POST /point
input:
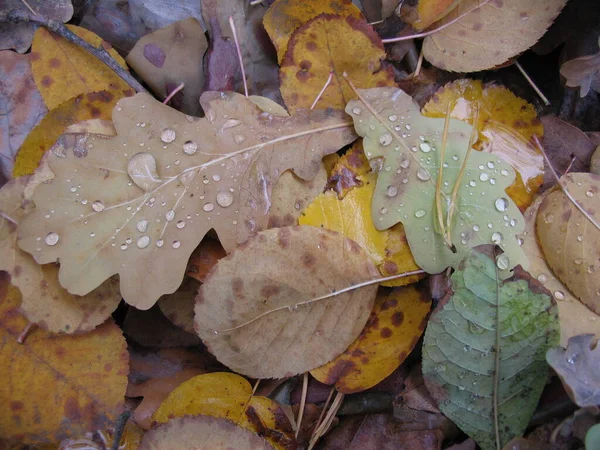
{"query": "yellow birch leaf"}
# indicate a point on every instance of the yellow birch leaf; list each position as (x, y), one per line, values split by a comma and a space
(397, 322)
(506, 127)
(94, 105)
(331, 43)
(284, 16)
(227, 396)
(427, 12)
(398, 258)
(57, 386)
(63, 70)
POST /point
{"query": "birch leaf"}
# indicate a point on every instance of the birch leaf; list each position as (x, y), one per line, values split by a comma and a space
(407, 146)
(484, 350)
(138, 204)
(254, 311)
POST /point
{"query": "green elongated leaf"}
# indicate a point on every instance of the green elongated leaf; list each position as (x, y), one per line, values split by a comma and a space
(408, 147)
(484, 350)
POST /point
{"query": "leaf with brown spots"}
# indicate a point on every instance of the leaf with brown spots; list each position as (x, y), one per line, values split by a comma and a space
(55, 386)
(285, 16)
(141, 210)
(506, 125)
(397, 321)
(178, 307)
(330, 43)
(489, 35)
(202, 433)
(262, 296)
(63, 70)
(97, 105)
(228, 396)
(349, 170)
(427, 12)
(204, 258)
(171, 56)
(569, 239)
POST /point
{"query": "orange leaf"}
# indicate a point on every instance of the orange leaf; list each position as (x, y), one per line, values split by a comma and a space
(427, 12)
(57, 386)
(397, 321)
(332, 43)
(398, 258)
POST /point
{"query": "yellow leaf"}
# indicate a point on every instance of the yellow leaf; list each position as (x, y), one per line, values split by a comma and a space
(427, 12)
(398, 258)
(349, 170)
(63, 70)
(284, 16)
(330, 43)
(506, 127)
(228, 396)
(397, 321)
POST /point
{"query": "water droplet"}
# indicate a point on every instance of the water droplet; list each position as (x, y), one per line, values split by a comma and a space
(128, 240)
(497, 237)
(124, 246)
(393, 118)
(176, 244)
(225, 199)
(513, 222)
(190, 147)
(160, 243)
(572, 358)
(542, 278)
(216, 177)
(208, 207)
(385, 139)
(180, 224)
(589, 194)
(97, 206)
(356, 111)
(407, 127)
(484, 177)
(51, 238)
(472, 183)
(420, 213)
(578, 261)
(92, 235)
(490, 165)
(167, 135)
(405, 163)
(142, 170)
(170, 215)
(559, 295)
(580, 238)
(143, 242)
(504, 172)
(503, 262)
(239, 138)
(392, 191)
(142, 226)
(475, 227)
(423, 174)
(549, 218)
(425, 147)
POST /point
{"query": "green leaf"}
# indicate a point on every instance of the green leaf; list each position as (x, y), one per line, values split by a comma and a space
(484, 350)
(407, 146)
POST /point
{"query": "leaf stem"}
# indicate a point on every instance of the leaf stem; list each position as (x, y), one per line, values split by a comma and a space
(302, 402)
(7, 217)
(323, 90)
(438, 185)
(239, 53)
(173, 92)
(324, 426)
(532, 84)
(25, 332)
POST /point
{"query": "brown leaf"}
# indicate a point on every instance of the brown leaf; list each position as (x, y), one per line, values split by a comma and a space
(582, 72)
(147, 207)
(415, 395)
(242, 312)
(204, 258)
(178, 307)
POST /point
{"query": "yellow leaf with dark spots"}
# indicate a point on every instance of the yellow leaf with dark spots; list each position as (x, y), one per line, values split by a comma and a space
(427, 12)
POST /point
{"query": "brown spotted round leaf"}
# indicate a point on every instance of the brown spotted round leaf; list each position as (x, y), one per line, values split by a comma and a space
(178, 307)
(255, 313)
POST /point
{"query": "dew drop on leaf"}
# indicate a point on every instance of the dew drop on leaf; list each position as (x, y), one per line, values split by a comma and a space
(501, 204)
(208, 207)
(392, 118)
(51, 238)
(503, 262)
(392, 191)
(224, 199)
(176, 244)
(425, 147)
(559, 295)
(143, 242)
(356, 111)
(549, 218)
(385, 139)
(142, 170)
(190, 147)
(423, 174)
(142, 226)
(420, 213)
(98, 206)
(180, 224)
(170, 215)
(497, 237)
(167, 135)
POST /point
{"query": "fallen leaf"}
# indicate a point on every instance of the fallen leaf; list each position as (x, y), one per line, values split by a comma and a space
(583, 72)
(376, 10)
(171, 56)
(202, 433)
(489, 35)
(592, 438)
(178, 307)
(398, 258)
(396, 323)
(575, 317)
(104, 439)
(228, 396)
(578, 367)
(406, 146)
(21, 105)
(285, 16)
(204, 258)
(222, 179)
(506, 125)
(63, 70)
(568, 238)
(414, 394)
(331, 43)
(427, 12)
(267, 306)
(44, 301)
(96, 105)
(484, 350)
(19, 35)
(595, 162)
(349, 171)
(58, 386)
(221, 62)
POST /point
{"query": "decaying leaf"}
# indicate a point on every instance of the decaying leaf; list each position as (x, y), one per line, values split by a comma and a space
(58, 386)
(506, 125)
(204, 258)
(139, 204)
(171, 56)
(397, 321)
(285, 16)
(570, 240)
(407, 147)
(427, 12)
(349, 171)
(331, 43)
(228, 396)
(583, 72)
(261, 296)
(63, 70)
(578, 366)
(202, 433)
(489, 35)
(484, 350)
(178, 307)
(21, 106)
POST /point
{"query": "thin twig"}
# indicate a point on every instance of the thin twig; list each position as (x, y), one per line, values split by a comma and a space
(573, 159)
(28, 6)
(173, 92)
(428, 33)
(18, 16)
(239, 52)
(7, 217)
(323, 90)
(419, 63)
(532, 84)
(438, 185)
(255, 386)
(25, 332)
(324, 426)
(119, 429)
(256, 2)
(302, 402)
(325, 407)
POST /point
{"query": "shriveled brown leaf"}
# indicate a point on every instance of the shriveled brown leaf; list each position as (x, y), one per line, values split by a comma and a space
(140, 210)
(253, 300)
(178, 307)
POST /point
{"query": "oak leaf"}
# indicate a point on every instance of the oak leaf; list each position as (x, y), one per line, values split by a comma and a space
(263, 296)
(139, 204)
(489, 35)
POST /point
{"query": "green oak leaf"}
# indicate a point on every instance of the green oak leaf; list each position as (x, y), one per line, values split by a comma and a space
(484, 352)
(406, 146)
